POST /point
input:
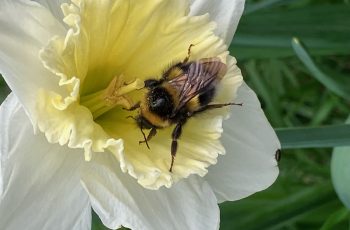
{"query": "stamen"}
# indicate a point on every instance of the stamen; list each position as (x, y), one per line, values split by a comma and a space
(115, 94)
(137, 84)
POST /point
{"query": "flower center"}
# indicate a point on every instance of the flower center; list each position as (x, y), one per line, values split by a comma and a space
(115, 94)
(110, 49)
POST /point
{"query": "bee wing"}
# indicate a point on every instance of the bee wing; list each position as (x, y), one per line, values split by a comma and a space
(201, 76)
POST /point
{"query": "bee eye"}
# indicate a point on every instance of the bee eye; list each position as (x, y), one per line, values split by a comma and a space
(158, 103)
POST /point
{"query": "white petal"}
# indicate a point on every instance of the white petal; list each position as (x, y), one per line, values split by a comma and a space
(40, 186)
(119, 200)
(226, 13)
(249, 164)
(54, 6)
(25, 28)
(87, 64)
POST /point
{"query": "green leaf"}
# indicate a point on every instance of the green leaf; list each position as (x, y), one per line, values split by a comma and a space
(319, 137)
(267, 33)
(276, 213)
(96, 222)
(251, 8)
(339, 87)
(4, 90)
(336, 218)
(98, 225)
(261, 86)
(340, 171)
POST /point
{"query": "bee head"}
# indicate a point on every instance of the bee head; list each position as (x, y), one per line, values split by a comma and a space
(157, 103)
(160, 102)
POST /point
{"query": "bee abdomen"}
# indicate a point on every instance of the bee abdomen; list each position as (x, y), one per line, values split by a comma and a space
(201, 100)
(206, 97)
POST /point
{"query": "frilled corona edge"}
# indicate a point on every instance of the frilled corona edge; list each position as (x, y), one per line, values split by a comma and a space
(109, 48)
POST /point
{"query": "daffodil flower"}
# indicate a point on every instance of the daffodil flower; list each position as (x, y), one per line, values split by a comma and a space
(66, 144)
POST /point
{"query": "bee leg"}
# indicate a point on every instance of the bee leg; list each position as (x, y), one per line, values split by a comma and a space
(144, 137)
(216, 106)
(132, 108)
(188, 54)
(175, 135)
(151, 134)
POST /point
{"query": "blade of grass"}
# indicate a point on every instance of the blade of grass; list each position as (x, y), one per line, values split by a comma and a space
(272, 106)
(278, 213)
(287, 72)
(324, 110)
(267, 33)
(340, 216)
(340, 172)
(319, 137)
(4, 90)
(274, 74)
(251, 8)
(342, 90)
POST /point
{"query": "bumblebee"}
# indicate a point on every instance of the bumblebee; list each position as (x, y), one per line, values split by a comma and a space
(184, 90)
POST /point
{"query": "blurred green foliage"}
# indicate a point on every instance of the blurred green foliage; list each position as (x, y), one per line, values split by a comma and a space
(294, 88)
(4, 90)
(266, 33)
(293, 94)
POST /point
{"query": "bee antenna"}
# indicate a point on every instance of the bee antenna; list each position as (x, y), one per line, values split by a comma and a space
(240, 104)
(188, 53)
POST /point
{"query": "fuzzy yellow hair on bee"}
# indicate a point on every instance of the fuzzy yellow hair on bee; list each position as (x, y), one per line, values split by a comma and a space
(185, 89)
